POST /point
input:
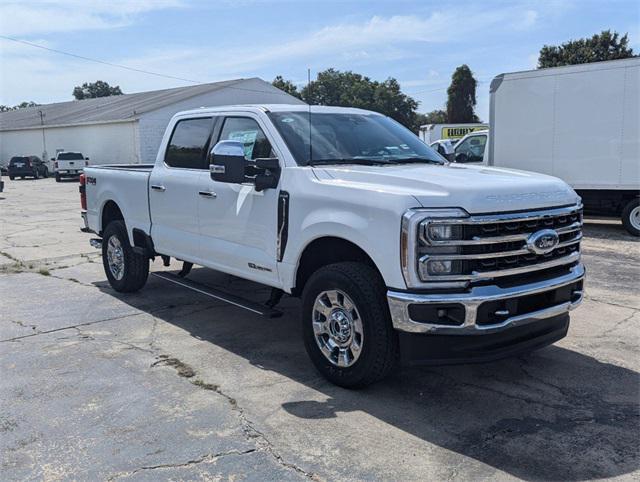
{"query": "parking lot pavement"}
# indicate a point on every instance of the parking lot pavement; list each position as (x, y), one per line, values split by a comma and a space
(165, 384)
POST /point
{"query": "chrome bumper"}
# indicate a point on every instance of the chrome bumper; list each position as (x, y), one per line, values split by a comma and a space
(399, 306)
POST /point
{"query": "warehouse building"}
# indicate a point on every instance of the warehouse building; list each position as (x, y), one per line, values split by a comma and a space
(120, 129)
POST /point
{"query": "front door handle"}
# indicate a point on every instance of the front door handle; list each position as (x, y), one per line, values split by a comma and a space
(210, 194)
(157, 187)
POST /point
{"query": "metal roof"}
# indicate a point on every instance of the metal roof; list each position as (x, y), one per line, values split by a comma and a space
(114, 108)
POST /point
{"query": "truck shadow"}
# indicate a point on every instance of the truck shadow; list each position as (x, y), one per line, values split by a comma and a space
(555, 414)
(606, 228)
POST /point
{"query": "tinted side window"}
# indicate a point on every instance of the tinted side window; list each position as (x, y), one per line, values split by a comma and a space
(188, 144)
(247, 131)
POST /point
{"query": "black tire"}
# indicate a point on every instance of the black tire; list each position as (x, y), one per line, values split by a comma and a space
(366, 289)
(46, 173)
(12, 177)
(36, 175)
(57, 177)
(136, 266)
(628, 212)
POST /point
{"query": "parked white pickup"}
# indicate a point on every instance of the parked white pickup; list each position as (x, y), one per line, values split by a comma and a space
(388, 245)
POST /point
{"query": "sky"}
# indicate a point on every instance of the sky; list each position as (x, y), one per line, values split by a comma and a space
(419, 43)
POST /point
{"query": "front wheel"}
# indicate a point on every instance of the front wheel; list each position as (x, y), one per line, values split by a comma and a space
(631, 217)
(126, 270)
(347, 326)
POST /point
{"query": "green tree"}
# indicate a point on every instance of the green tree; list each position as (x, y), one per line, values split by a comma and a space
(21, 105)
(92, 90)
(349, 89)
(437, 116)
(461, 96)
(603, 46)
(287, 86)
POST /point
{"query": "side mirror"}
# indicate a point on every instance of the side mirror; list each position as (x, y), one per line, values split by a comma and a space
(86, 158)
(461, 157)
(228, 163)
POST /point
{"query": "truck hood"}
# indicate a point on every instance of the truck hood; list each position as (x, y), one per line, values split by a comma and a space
(476, 189)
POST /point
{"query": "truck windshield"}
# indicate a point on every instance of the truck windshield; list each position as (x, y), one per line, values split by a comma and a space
(350, 138)
(70, 156)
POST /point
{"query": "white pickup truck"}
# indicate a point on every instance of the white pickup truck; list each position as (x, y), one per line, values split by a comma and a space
(398, 255)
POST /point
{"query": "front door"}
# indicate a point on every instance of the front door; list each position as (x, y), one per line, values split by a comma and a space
(237, 223)
(174, 190)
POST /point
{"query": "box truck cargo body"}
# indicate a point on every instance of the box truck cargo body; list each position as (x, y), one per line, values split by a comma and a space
(579, 123)
(430, 133)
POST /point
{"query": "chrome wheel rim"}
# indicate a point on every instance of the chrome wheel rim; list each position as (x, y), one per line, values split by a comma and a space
(634, 217)
(337, 328)
(115, 257)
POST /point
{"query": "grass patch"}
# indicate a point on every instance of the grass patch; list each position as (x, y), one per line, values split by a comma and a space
(44, 272)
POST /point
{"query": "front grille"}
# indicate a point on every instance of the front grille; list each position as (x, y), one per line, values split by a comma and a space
(493, 246)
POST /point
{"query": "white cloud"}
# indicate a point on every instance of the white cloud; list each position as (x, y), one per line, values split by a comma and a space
(25, 18)
(45, 76)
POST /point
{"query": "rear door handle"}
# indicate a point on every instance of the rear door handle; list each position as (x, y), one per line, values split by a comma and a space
(210, 194)
(157, 187)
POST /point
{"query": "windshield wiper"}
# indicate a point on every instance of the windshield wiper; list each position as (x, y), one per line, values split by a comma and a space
(411, 160)
(358, 161)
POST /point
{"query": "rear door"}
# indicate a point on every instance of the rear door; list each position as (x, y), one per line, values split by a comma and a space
(238, 224)
(173, 189)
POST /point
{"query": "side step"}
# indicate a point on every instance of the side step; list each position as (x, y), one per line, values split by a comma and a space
(248, 305)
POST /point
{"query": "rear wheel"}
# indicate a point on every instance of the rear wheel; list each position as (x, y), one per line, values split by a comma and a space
(46, 172)
(57, 177)
(346, 325)
(36, 175)
(12, 177)
(126, 270)
(631, 217)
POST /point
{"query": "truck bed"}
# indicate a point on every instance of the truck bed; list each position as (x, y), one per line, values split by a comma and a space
(126, 185)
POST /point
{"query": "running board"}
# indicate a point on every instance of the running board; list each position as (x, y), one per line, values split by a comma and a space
(248, 305)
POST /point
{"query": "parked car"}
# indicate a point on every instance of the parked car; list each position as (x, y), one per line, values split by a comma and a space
(580, 123)
(396, 254)
(1, 182)
(444, 147)
(471, 148)
(27, 166)
(69, 164)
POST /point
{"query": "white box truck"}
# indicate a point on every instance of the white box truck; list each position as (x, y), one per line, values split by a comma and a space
(429, 133)
(579, 123)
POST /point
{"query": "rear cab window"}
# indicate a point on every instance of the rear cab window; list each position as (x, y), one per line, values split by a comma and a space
(70, 156)
(188, 145)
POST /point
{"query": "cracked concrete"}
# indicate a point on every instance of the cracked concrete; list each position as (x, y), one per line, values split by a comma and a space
(90, 384)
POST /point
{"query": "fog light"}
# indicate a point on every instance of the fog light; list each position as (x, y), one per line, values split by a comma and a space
(430, 268)
(439, 267)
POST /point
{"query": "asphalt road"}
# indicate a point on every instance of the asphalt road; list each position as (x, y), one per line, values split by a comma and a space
(166, 384)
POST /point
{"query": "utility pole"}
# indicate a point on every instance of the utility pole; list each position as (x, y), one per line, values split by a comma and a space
(45, 158)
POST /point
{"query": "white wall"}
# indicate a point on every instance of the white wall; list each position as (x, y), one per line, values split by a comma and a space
(254, 91)
(102, 143)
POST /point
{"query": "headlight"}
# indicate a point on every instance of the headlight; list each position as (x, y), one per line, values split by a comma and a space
(440, 232)
(424, 245)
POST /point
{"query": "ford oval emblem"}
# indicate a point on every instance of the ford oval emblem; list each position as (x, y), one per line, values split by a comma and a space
(543, 242)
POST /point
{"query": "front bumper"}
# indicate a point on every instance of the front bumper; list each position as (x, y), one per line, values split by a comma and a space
(512, 303)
